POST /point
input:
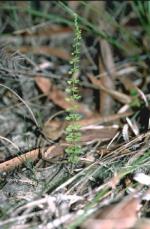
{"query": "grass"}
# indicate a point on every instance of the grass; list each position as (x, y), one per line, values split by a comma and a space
(142, 10)
(84, 24)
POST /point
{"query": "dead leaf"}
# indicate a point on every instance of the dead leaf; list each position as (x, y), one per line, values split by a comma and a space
(45, 50)
(128, 84)
(126, 223)
(125, 99)
(97, 133)
(143, 223)
(54, 152)
(43, 29)
(119, 216)
(53, 129)
(58, 96)
(128, 207)
(97, 119)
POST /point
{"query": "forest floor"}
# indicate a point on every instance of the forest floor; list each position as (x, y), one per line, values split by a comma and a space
(109, 187)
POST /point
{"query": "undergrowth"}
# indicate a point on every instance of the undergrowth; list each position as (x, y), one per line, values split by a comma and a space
(102, 177)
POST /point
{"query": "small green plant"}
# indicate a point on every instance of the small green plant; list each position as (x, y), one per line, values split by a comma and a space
(73, 130)
(135, 102)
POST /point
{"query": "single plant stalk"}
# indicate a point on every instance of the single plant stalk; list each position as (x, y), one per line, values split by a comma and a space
(73, 130)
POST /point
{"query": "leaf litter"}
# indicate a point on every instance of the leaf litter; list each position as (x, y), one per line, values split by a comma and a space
(109, 187)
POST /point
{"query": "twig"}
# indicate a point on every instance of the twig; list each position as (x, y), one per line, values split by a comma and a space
(19, 160)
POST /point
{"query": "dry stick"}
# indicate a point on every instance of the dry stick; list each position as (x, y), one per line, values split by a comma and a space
(18, 104)
(19, 160)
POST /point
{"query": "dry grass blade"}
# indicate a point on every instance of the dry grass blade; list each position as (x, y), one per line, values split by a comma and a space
(13, 144)
(27, 106)
(125, 99)
(48, 51)
(106, 119)
(106, 101)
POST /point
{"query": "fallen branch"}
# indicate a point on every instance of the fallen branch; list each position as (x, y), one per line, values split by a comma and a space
(19, 160)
